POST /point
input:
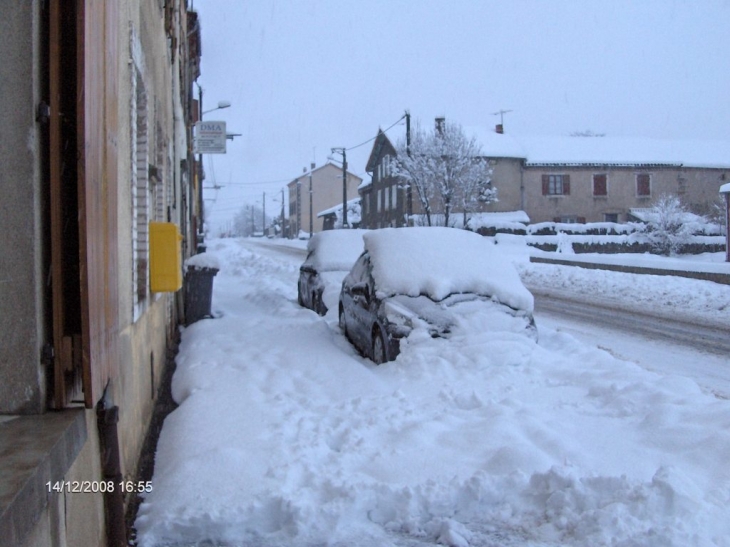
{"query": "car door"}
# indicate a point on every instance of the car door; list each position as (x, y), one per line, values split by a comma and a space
(353, 299)
(364, 306)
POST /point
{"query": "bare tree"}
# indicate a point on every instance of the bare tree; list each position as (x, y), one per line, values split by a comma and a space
(447, 169)
(249, 220)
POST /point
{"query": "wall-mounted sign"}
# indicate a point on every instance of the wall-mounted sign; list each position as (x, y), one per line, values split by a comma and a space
(210, 138)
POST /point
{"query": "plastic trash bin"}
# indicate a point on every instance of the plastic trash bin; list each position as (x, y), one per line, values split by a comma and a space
(198, 293)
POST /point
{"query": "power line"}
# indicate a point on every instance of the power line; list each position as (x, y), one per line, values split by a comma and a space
(375, 137)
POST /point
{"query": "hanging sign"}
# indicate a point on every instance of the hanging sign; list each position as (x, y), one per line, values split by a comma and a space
(210, 138)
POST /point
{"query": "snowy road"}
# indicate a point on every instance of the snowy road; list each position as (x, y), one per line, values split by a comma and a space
(286, 436)
(693, 351)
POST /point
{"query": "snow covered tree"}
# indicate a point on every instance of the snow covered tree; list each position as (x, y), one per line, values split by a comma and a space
(448, 171)
(668, 227)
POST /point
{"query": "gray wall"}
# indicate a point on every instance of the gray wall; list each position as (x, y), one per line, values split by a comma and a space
(21, 276)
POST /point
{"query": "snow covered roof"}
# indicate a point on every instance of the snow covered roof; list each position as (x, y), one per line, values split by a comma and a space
(618, 151)
(725, 188)
(626, 151)
(338, 207)
(334, 250)
(437, 262)
(648, 214)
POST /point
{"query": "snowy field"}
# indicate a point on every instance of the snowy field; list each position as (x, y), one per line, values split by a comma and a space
(285, 436)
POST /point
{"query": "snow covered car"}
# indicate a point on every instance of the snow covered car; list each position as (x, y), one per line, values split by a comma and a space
(432, 278)
(330, 256)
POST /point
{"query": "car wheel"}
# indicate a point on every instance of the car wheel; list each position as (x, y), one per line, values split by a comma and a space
(379, 356)
(317, 303)
(343, 325)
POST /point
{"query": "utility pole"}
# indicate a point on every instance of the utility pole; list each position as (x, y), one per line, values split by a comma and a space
(409, 190)
(282, 212)
(201, 177)
(342, 150)
(311, 214)
(263, 217)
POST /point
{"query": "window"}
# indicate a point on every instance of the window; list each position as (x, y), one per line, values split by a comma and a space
(556, 185)
(394, 197)
(600, 185)
(140, 193)
(610, 217)
(643, 185)
(378, 200)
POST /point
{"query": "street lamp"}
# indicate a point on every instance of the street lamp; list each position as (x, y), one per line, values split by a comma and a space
(221, 105)
(201, 228)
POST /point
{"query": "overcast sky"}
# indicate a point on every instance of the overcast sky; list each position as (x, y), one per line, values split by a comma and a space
(308, 75)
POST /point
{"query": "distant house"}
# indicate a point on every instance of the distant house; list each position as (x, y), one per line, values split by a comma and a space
(384, 204)
(326, 185)
(565, 179)
(332, 217)
(387, 202)
(595, 179)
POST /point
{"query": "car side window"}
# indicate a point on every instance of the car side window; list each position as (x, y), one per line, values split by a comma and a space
(359, 271)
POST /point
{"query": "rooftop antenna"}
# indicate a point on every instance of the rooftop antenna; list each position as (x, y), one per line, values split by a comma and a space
(500, 113)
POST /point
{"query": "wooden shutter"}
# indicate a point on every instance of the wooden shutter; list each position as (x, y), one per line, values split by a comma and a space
(566, 185)
(98, 130)
(600, 187)
(545, 185)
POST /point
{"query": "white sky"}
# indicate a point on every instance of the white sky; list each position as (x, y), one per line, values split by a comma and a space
(306, 76)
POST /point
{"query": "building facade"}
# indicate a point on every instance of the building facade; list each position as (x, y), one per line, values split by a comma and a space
(326, 192)
(99, 96)
(565, 179)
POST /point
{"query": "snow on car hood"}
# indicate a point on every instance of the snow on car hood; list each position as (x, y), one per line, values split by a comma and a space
(463, 311)
(437, 262)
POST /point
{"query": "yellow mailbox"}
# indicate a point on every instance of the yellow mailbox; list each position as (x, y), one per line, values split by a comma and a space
(165, 259)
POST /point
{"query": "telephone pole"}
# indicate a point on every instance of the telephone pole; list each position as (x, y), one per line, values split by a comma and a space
(311, 213)
(409, 189)
(342, 150)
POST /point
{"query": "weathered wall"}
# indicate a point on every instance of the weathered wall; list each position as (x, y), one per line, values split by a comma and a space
(21, 277)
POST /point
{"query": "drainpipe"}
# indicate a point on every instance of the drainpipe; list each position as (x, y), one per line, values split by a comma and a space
(522, 186)
(116, 528)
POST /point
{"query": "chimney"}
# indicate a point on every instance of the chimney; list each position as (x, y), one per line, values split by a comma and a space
(499, 129)
(440, 125)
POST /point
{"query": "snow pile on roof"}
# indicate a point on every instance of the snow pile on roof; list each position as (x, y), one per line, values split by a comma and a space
(626, 151)
(203, 260)
(725, 188)
(509, 220)
(334, 250)
(437, 262)
(559, 150)
(649, 214)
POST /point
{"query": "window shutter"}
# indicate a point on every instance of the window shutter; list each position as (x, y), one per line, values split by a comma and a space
(566, 185)
(556, 219)
(581, 220)
(545, 185)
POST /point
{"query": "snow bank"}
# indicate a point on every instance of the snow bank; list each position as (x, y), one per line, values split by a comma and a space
(484, 439)
(438, 262)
